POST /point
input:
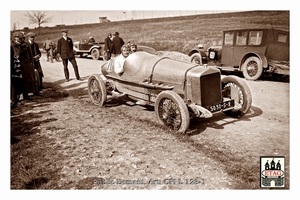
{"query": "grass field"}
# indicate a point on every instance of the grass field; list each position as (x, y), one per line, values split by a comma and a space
(173, 33)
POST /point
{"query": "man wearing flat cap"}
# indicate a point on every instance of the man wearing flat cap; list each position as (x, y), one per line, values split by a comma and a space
(65, 50)
(36, 53)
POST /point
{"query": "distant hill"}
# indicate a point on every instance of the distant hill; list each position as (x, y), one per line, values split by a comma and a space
(180, 33)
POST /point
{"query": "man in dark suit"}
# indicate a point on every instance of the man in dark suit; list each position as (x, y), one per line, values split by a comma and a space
(118, 42)
(36, 53)
(65, 50)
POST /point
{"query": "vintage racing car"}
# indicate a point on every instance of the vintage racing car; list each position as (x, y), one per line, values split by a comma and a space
(178, 90)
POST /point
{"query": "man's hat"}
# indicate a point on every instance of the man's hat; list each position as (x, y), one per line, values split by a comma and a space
(30, 34)
(64, 30)
(116, 33)
(18, 34)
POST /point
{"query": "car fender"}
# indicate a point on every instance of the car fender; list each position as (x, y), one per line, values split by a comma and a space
(200, 51)
(261, 56)
(94, 46)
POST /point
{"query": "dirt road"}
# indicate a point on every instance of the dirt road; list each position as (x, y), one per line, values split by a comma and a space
(121, 146)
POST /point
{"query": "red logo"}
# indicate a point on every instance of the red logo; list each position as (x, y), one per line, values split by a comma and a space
(272, 173)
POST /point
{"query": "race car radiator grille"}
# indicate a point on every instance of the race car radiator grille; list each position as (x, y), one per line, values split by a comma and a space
(210, 88)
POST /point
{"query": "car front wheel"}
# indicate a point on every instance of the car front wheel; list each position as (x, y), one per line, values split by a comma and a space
(97, 90)
(235, 88)
(171, 111)
(252, 68)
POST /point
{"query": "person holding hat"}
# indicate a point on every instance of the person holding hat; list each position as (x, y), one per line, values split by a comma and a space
(118, 42)
(65, 50)
(36, 53)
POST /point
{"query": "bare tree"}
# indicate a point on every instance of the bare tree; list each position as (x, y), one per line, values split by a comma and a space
(38, 17)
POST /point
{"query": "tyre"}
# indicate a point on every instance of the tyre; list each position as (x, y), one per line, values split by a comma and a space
(196, 58)
(37, 80)
(97, 90)
(252, 68)
(171, 111)
(238, 90)
(95, 54)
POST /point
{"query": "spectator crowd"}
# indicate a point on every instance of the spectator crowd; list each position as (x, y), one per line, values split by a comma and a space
(26, 70)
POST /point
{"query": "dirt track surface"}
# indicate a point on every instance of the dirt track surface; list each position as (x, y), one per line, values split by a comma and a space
(83, 146)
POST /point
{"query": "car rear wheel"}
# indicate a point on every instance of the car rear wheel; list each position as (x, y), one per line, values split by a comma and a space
(171, 111)
(97, 90)
(95, 54)
(196, 58)
(252, 68)
(235, 88)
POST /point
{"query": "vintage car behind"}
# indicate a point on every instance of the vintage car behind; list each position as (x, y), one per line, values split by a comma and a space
(178, 90)
(96, 49)
(252, 51)
(84, 48)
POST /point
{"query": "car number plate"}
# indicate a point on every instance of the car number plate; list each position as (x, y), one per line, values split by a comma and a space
(221, 106)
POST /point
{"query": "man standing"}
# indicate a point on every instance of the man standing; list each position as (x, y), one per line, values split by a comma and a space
(65, 50)
(36, 53)
(27, 68)
(117, 44)
(48, 47)
(108, 47)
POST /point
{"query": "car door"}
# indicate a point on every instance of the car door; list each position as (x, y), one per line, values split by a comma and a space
(227, 48)
(239, 47)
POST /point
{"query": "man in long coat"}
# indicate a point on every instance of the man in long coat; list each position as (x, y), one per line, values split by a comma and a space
(65, 50)
(118, 42)
(36, 53)
(108, 46)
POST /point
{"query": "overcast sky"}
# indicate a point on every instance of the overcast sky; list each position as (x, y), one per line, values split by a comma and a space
(72, 17)
(82, 12)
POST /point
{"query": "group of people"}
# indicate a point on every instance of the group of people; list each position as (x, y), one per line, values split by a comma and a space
(24, 61)
(114, 43)
(25, 55)
(116, 48)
